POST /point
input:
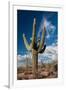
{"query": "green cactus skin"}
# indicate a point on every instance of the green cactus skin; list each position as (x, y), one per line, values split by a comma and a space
(35, 48)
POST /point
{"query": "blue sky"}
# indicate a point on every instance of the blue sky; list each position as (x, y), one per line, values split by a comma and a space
(25, 22)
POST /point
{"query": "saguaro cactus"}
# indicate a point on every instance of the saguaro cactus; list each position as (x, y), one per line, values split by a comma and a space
(36, 46)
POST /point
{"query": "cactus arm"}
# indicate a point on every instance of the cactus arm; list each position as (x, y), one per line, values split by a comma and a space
(26, 43)
(31, 46)
(43, 49)
(34, 33)
(43, 36)
(42, 40)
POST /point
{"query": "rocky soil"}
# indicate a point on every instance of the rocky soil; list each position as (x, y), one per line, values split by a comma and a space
(44, 71)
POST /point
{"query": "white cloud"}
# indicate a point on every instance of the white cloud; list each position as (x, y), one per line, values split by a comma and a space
(19, 57)
(50, 54)
(50, 28)
(23, 57)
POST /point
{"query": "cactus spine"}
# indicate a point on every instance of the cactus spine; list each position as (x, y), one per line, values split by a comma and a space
(35, 47)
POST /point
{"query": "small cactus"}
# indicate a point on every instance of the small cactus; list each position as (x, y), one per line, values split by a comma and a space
(36, 47)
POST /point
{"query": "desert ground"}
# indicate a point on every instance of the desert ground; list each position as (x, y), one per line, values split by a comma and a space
(47, 70)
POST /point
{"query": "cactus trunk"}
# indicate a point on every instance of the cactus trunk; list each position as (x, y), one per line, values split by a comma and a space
(35, 63)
